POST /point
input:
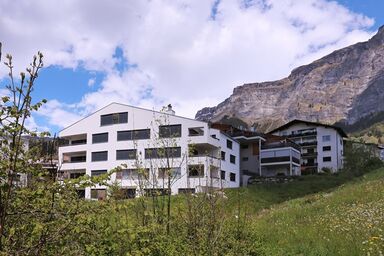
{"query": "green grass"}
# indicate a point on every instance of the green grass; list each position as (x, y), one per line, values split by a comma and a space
(347, 220)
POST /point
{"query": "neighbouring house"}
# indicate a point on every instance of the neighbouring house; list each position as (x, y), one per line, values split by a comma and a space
(264, 154)
(156, 148)
(321, 144)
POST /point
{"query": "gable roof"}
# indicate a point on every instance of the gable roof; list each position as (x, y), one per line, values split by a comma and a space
(298, 121)
(126, 105)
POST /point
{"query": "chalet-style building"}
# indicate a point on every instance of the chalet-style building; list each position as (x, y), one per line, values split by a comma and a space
(321, 144)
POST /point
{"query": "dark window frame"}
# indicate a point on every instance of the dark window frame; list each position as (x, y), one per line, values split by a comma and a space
(95, 173)
(223, 155)
(141, 134)
(131, 154)
(232, 159)
(327, 159)
(327, 148)
(232, 176)
(114, 118)
(229, 144)
(170, 131)
(96, 137)
(167, 152)
(93, 155)
(195, 170)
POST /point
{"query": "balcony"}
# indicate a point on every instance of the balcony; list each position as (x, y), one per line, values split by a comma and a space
(70, 174)
(278, 159)
(308, 143)
(309, 154)
(310, 132)
(73, 140)
(74, 157)
(280, 145)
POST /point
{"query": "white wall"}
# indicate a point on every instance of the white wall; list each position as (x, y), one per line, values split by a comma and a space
(336, 144)
(146, 119)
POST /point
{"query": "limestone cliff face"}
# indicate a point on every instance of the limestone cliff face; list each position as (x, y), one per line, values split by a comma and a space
(345, 85)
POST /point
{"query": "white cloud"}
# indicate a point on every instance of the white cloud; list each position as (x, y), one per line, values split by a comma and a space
(183, 56)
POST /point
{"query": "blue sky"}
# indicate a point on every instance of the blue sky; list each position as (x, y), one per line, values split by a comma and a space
(188, 53)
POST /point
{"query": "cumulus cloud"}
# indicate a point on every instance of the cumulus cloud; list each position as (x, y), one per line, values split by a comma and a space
(185, 52)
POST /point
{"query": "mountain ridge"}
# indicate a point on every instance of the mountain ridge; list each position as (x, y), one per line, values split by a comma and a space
(341, 87)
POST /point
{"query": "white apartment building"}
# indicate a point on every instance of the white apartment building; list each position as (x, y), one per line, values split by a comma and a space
(156, 147)
(321, 144)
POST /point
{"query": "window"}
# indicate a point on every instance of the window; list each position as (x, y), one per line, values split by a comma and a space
(222, 175)
(80, 193)
(213, 136)
(170, 131)
(196, 170)
(327, 159)
(170, 152)
(244, 146)
(232, 176)
(157, 191)
(98, 172)
(134, 135)
(79, 142)
(126, 154)
(78, 159)
(196, 131)
(229, 144)
(187, 190)
(326, 138)
(99, 156)
(223, 155)
(75, 175)
(115, 118)
(99, 194)
(99, 137)
(245, 159)
(327, 148)
(127, 193)
(232, 159)
(133, 174)
(164, 172)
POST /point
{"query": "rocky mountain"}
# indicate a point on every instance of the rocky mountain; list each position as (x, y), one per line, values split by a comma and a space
(343, 87)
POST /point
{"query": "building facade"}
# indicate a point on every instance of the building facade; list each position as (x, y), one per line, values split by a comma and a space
(264, 155)
(321, 144)
(157, 151)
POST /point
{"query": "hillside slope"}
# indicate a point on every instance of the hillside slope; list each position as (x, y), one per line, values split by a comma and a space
(346, 221)
(344, 86)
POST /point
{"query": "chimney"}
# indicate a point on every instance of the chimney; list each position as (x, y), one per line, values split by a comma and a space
(169, 110)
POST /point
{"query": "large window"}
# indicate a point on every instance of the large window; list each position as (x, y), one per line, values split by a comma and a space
(134, 135)
(196, 171)
(170, 152)
(229, 144)
(115, 118)
(100, 137)
(126, 154)
(133, 174)
(222, 175)
(170, 131)
(164, 173)
(326, 138)
(327, 159)
(232, 176)
(196, 131)
(327, 148)
(98, 172)
(232, 159)
(99, 156)
(223, 155)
